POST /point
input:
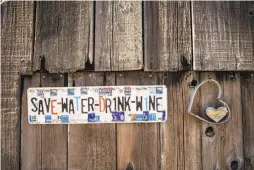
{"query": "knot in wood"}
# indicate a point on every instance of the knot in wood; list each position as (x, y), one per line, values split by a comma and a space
(129, 166)
(186, 63)
(193, 83)
(234, 165)
(247, 161)
(251, 11)
(209, 131)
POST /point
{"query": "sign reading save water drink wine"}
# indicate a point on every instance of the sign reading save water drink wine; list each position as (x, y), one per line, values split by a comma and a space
(97, 104)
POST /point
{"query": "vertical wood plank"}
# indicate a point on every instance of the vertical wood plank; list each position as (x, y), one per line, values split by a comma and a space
(53, 137)
(118, 36)
(92, 146)
(138, 144)
(30, 134)
(167, 36)
(42, 146)
(16, 52)
(103, 35)
(192, 126)
(247, 85)
(224, 150)
(181, 134)
(223, 35)
(64, 32)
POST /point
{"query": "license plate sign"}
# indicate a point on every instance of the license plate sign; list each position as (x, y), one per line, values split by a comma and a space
(97, 104)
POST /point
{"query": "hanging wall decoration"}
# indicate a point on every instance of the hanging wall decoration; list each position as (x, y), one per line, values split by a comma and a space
(97, 104)
(216, 115)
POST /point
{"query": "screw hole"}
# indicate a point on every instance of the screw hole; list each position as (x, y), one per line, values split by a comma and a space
(209, 131)
(193, 83)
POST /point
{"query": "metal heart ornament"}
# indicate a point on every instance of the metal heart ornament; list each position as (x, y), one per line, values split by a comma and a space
(215, 114)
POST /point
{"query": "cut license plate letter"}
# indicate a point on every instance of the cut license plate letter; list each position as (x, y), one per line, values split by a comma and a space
(97, 104)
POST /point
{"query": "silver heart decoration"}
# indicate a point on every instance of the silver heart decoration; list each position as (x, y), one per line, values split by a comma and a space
(215, 114)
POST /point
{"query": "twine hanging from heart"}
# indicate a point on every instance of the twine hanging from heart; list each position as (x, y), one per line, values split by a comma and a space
(214, 114)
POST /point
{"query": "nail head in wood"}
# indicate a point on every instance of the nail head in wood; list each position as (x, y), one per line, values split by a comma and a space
(232, 76)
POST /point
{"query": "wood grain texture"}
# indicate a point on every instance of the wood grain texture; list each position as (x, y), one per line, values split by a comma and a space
(138, 144)
(167, 36)
(16, 52)
(63, 34)
(92, 146)
(42, 146)
(247, 85)
(223, 35)
(30, 154)
(53, 137)
(224, 150)
(181, 134)
(118, 36)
